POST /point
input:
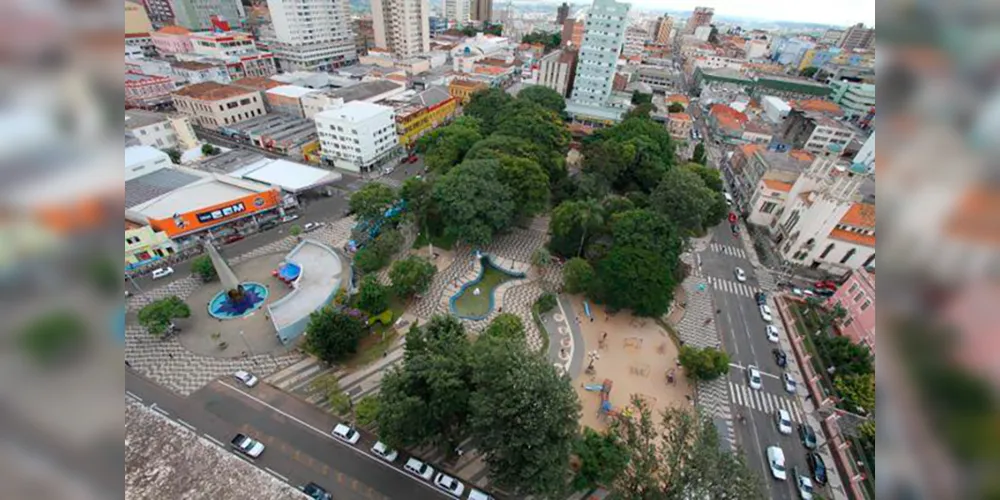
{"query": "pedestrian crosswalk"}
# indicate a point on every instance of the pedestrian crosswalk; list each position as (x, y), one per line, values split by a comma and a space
(764, 402)
(731, 286)
(728, 250)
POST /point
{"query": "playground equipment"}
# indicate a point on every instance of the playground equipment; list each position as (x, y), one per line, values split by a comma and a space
(586, 309)
(366, 230)
(287, 272)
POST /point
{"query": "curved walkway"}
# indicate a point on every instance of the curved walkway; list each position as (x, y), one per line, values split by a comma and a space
(323, 273)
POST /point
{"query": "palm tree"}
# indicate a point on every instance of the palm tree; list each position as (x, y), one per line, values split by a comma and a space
(589, 216)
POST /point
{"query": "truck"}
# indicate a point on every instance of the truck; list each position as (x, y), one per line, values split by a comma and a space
(247, 445)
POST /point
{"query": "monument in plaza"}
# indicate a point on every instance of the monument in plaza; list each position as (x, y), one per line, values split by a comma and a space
(236, 299)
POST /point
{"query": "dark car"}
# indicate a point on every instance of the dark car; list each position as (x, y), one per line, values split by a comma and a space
(233, 238)
(761, 298)
(316, 492)
(817, 466)
(264, 226)
(780, 358)
(808, 436)
(824, 292)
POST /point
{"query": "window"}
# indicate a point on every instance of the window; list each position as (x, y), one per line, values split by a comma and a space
(858, 297)
(244, 102)
(848, 322)
(853, 288)
(829, 248)
(847, 256)
(866, 305)
(869, 261)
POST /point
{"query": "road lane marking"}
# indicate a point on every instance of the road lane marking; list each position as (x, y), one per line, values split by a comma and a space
(212, 439)
(133, 396)
(159, 410)
(279, 476)
(185, 424)
(329, 437)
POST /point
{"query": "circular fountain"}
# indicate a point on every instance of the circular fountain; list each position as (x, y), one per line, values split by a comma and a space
(238, 302)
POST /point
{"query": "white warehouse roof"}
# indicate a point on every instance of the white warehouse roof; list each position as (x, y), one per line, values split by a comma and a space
(354, 111)
(289, 176)
(293, 91)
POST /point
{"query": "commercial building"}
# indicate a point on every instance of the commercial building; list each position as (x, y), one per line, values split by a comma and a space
(664, 26)
(816, 132)
(197, 15)
(557, 70)
(789, 52)
(214, 105)
(172, 40)
(159, 130)
(701, 16)
(659, 79)
(755, 49)
(425, 112)
(857, 37)
(287, 99)
(857, 99)
(147, 91)
(857, 296)
(357, 136)
(145, 246)
(602, 40)
(223, 45)
(751, 162)
(281, 133)
(403, 27)
(191, 72)
(831, 36)
(140, 43)
(463, 89)
(294, 179)
(311, 35)
(562, 13)
(370, 91)
(788, 87)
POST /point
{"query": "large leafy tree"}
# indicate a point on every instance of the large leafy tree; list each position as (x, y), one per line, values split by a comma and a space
(333, 334)
(426, 400)
(578, 276)
(450, 144)
(601, 459)
(204, 268)
(698, 156)
(572, 223)
(710, 176)
(683, 197)
(641, 153)
(544, 96)
(647, 230)
(488, 106)
(857, 391)
(636, 279)
(157, 315)
(506, 326)
(847, 357)
(678, 457)
(474, 203)
(371, 201)
(411, 275)
(373, 297)
(524, 416)
(497, 146)
(703, 364)
(530, 121)
(527, 182)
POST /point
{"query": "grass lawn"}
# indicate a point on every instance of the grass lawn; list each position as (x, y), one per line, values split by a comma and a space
(371, 348)
(541, 328)
(442, 242)
(471, 305)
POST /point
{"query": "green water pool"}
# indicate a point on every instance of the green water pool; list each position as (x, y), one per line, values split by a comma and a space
(466, 304)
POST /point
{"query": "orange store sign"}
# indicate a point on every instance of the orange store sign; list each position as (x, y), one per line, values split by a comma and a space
(210, 216)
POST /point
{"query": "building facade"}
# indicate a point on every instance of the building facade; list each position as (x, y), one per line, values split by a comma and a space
(463, 89)
(172, 40)
(557, 70)
(196, 15)
(288, 99)
(679, 125)
(160, 11)
(311, 35)
(403, 26)
(635, 41)
(147, 91)
(136, 19)
(603, 36)
(572, 33)
(145, 246)
(214, 105)
(457, 11)
(425, 112)
(562, 13)
(701, 16)
(664, 26)
(857, 296)
(191, 72)
(358, 136)
(482, 11)
(857, 99)
(816, 132)
(857, 37)
(223, 45)
(159, 130)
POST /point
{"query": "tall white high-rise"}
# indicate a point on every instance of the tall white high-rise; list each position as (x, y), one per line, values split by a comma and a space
(603, 35)
(457, 10)
(402, 26)
(311, 35)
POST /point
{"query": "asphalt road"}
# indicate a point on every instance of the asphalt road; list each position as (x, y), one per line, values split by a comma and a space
(297, 437)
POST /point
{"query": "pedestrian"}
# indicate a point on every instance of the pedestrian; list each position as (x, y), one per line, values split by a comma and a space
(499, 309)
(604, 337)
(591, 319)
(171, 355)
(128, 364)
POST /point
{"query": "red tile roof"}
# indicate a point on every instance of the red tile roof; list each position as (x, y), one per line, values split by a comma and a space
(211, 91)
(860, 215)
(850, 237)
(776, 185)
(174, 30)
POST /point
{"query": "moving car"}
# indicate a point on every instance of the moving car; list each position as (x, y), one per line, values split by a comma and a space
(264, 226)
(789, 381)
(803, 484)
(776, 460)
(780, 358)
(247, 445)
(753, 378)
(419, 469)
(740, 275)
(247, 378)
(384, 452)
(783, 420)
(808, 436)
(817, 466)
(316, 492)
(311, 226)
(761, 298)
(346, 434)
(449, 485)
(162, 272)
(772, 333)
(765, 313)
(289, 218)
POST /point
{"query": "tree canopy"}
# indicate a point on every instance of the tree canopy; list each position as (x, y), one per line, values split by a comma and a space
(578, 276)
(488, 106)
(601, 457)
(572, 223)
(698, 155)
(549, 40)
(372, 200)
(636, 279)
(530, 121)
(506, 326)
(675, 107)
(474, 203)
(703, 364)
(543, 96)
(373, 297)
(450, 144)
(157, 316)
(632, 156)
(683, 197)
(411, 275)
(203, 267)
(333, 334)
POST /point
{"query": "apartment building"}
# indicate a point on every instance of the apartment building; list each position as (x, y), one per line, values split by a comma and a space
(701, 16)
(482, 11)
(422, 114)
(635, 41)
(197, 15)
(664, 26)
(857, 37)
(680, 125)
(358, 136)
(311, 35)
(604, 33)
(160, 130)
(214, 105)
(457, 11)
(857, 296)
(557, 70)
(816, 132)
(172, 40)
(562, 13)
(857, 99)
(572, 33)
(403, 26)
(136, 19)
(147, 91)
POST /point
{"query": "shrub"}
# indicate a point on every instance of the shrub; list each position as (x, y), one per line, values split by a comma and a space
(704, 364)
(366, 411)
(546, 302)
(203, 267)
(373, 298)
(578, 276)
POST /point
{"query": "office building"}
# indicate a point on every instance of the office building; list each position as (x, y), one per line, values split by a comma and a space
(562, 13)
(702, 16)
(831, 37)
(457, 11)
(603, 36)
(857, 99)
(357, 136)
(857, 37)
(482, 11)
(557, 70)
(664, 26)
(402, 26)
(311, 35)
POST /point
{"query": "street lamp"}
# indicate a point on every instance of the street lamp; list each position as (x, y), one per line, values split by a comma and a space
(594, 356)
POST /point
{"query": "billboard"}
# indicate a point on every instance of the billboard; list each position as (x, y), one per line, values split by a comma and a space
(197, 220)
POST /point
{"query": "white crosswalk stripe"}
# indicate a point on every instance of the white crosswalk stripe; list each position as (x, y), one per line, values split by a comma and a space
(732, 286)
(728, 250)
(764, 402)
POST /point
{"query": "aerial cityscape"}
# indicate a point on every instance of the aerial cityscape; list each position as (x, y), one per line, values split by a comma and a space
(500, 249)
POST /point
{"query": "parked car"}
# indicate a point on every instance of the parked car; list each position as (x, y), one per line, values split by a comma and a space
(271, 224)
(817, 466)
(803, 484)
(740, 275)
(728, 197)
(765, 313)
(419, 469)
(384, 452)
(827, 284)
(776, 460)
(753, 378)
(412, 159)
(475, 494)
(783, 420)
(772, 334)
(289, 218)
(247, 378)
(780, 358)
(316, 492)
(761, 298)
(825, 292)
(807, 435)
(449, 485)
(232, 238)
(311, 226)
(247, 445)
(162, 272)
(789, 381)
(346, 434)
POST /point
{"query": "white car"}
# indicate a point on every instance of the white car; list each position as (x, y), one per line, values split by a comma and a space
(162, 272)
(772, 333)
(776, 460)
(246, 377)
(419, 469)
(790, 384)
(346, 434)
(740, 275)
(450, 485)
(753, 378)
(783, 420)
(804, 484)
(765, 313)
(384, 452)
(289, 218)
(311, 226)
(475, 494)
